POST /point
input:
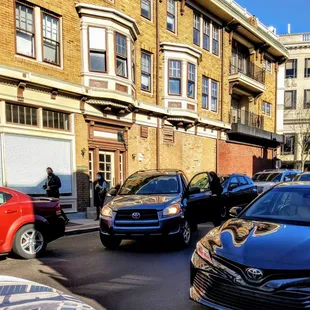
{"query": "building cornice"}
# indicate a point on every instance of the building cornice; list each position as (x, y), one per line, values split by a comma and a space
(180, 48)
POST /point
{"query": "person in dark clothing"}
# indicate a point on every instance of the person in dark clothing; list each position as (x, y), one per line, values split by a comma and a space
(52, 186)
(100, 189)
(216, 199)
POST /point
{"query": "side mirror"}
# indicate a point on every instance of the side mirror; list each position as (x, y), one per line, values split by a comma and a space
(113, 192)
(193, 190)
(233, 186)
(235, 211)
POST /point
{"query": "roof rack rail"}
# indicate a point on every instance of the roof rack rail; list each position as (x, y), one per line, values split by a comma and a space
(160, 170)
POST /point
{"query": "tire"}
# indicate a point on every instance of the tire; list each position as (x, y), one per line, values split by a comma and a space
(29, 242)
(110, 243)
(185, 236)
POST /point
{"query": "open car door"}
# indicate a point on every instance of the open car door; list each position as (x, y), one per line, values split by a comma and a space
(197, 195)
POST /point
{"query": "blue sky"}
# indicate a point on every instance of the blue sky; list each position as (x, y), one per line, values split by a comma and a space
(279, 13)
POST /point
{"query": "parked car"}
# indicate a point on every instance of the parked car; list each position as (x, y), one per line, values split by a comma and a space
(238, 190)
(260, 259)
(267, 178)
(161, 203)
(28, 224)
(20, 294)
(302, 177)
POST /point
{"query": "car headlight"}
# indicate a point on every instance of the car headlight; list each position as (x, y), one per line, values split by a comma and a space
(204, 253)
(106, 211)
(173, 209)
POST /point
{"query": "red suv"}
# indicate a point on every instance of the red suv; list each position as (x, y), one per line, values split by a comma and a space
(28, 224)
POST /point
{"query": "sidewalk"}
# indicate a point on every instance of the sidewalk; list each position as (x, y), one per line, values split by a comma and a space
(79, 226)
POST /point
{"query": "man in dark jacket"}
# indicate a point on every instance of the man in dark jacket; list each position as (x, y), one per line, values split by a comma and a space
(52, 186)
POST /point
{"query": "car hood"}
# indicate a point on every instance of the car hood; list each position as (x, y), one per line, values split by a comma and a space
(261, 244)
(264, 184)
(137, 202)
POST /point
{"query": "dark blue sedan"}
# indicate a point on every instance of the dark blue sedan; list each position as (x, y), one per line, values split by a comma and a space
(260, 259)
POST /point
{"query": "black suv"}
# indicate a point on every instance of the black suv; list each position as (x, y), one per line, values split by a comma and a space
(160, 203)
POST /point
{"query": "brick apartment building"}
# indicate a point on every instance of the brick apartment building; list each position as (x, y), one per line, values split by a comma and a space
(121, 85)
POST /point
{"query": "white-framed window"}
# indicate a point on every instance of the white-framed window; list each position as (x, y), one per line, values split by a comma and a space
(121, 55)
(290, 99)
(51, 39)
(205, 92)
(146, 9)
(175, 77)
(196, 30)
(25, 30)
(266, 108)
(171, 15)
(215, 41)
(97, 49)
(206, 35)
(214, 95)
(146, 71)
(191, 80)
(267, 64)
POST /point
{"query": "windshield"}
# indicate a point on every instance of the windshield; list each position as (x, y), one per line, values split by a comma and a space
(267, 177)
(285, 205)
(150, 185)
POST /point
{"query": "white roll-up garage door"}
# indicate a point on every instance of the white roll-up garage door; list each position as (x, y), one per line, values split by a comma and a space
(27, 157)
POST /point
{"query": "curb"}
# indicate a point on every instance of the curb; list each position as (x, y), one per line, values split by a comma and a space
(79, 231)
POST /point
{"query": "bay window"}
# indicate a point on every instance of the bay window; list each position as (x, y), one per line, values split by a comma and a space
(191, 80)
(97, 49)
(25, 31)
(51, 39)
(175, 77)
(121, 55)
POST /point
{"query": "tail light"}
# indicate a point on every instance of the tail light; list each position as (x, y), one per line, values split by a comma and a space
(58, 209)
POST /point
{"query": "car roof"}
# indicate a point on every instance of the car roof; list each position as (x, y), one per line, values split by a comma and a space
(295, 184)
(160, 171)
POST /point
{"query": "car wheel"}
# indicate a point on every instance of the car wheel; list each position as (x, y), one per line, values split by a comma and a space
(110, 243)
(185, 237)
(29, 242)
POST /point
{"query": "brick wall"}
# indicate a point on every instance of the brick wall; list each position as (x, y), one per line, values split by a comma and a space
(238, 158)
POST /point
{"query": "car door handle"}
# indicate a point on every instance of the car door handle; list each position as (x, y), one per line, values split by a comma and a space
(10, 211)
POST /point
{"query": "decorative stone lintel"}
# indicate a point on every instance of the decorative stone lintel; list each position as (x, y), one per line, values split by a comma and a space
(54, 93)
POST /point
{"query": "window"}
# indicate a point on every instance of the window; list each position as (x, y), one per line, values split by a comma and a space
(146, 9)
(202, 181)
(196, 29)
(205, 92)
(168, 134)
(4, 197)
(290, 99)
(171, 12)
(214, 96)
(267, 64)
(243, 181)
(266, 108)
(146, 71)
(174, 77)
(22, 115)
(288, 148)
(306, 37)
(306, 144)
(97, 49)
(307, 67)
(191, 80)
(55, 120)
(25, 32)
(133, 64)
(307, 98)
(121, 55)
(206, 35)
(291, 69)
(51, 39)
(215, 42)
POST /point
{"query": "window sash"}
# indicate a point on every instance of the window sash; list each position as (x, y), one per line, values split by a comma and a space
(307, 98)
(171, 7)
(214, 96)
(121, 67)
(215, 40)
(21, 115)
(206, 35)
(175, 77)
(191, 80)
(175, 68)
(266, 108)
(56, 120)
(196, 30)
(307, 67)
(291, 69)
(205, 92)
(289, 145)
(146, 9)
(290, 99)
(146, 71)
(121, 45)
(97, 61)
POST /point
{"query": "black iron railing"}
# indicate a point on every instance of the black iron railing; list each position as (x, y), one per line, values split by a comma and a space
(238, 116)
(249, 69)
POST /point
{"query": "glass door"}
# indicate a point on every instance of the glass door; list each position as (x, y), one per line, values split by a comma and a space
(106, 166)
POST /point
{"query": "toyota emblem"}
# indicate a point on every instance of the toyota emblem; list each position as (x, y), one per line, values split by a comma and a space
(254, 274)
(136, 215)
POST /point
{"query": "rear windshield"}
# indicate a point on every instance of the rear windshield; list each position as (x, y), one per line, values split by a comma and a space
(150, 185)
(267, 177)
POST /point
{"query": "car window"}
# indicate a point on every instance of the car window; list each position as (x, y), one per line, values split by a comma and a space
(202, 181)
(184, 183)
(268, 177)
(150, 185)
(304, 177)
(282, 205)
(249, 180)
(234, 180)
(243, 181)
(4, 197)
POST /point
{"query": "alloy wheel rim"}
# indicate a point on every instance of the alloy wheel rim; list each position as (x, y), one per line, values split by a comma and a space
(186, 233)
(32, 241)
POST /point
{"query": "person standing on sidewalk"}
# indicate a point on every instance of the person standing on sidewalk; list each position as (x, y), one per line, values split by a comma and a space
(216, 199)
(52, 186)
(100, 193)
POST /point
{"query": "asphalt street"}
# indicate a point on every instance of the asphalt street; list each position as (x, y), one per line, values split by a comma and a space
(140, 275)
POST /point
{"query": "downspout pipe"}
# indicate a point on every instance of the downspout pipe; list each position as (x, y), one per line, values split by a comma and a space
(157, 86)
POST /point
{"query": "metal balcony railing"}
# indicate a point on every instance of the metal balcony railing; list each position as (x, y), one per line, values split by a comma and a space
(247, 118)
(249, 69)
